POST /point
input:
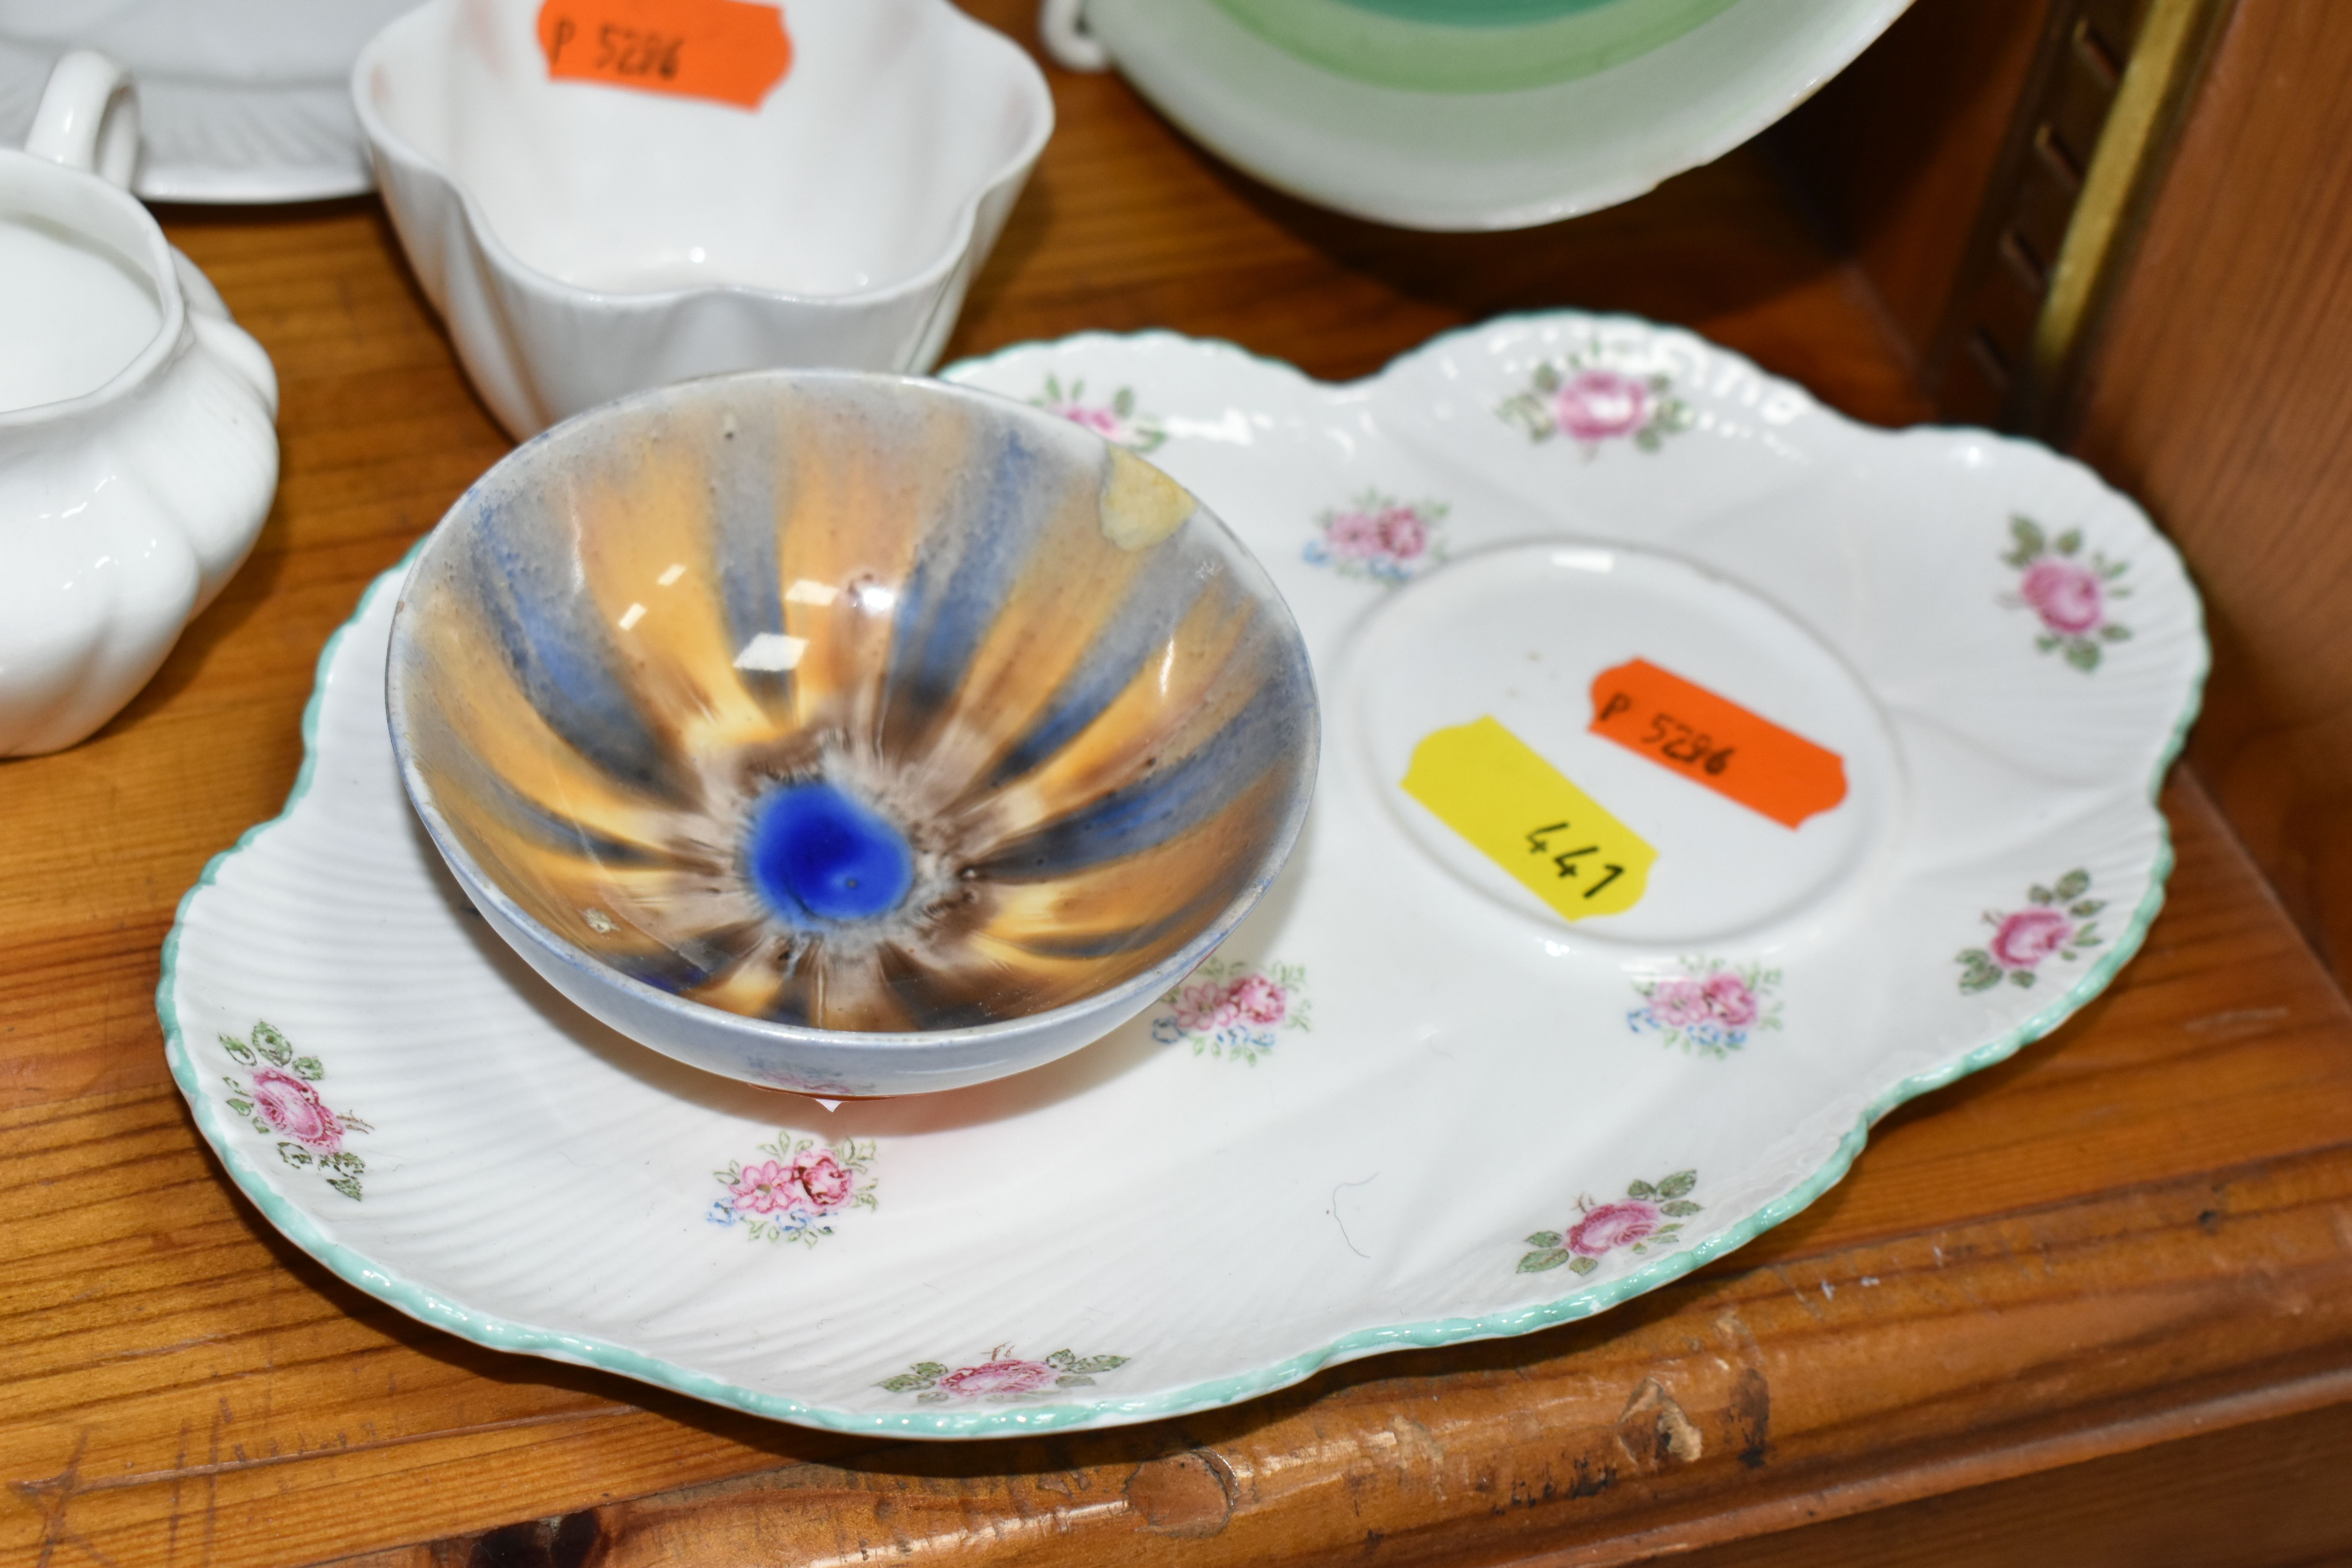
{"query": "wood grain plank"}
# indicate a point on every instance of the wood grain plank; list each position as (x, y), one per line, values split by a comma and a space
(1900, 149)
(1737, 1404)
(2265, 1497)
(2218, 395)
(2242, 1496)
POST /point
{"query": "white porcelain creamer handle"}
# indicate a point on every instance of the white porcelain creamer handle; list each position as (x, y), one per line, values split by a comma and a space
(88, 118)
(1062, 26)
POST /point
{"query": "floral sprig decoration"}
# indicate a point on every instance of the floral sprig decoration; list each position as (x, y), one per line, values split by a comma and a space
(2057, 921)
(1001, 1379)
(1379, 538)
(1229, 1008)
(791, 1193)
(1589, 403)
(1115, 421)
(1712, 1007)
(283, 1100)
(2071, 592)
(1649, 1211)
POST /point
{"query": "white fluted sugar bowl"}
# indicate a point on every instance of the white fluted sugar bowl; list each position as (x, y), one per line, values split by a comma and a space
(138, 453)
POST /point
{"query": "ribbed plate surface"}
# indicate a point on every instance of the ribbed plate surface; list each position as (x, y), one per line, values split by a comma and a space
(1399, 1107)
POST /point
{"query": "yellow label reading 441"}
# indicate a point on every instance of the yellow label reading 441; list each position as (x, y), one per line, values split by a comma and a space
(1524, 815)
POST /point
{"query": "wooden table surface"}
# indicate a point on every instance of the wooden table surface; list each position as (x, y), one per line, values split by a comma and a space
(2108, 1282)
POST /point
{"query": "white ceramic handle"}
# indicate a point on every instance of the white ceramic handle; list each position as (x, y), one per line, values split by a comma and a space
(88, 118)
(1062, 26)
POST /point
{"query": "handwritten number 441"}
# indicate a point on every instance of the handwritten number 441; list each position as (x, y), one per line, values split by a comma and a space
(621, 51)
(1540, 843)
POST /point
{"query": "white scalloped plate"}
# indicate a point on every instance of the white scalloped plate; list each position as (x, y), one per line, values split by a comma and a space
(1407, 1104)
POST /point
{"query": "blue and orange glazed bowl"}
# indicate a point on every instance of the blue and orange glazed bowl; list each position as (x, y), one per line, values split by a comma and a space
(850, 734)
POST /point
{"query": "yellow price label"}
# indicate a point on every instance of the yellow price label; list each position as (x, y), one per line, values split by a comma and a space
(1525, 815)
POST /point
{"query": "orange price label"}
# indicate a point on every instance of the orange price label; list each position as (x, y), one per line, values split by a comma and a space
(1690, 731)
(730, 51)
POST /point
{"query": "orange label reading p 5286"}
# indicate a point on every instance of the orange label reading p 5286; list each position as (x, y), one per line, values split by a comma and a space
(1688, 730)
(730, 51)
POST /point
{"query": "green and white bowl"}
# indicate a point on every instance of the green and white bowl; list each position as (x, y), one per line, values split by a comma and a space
(1472, 114)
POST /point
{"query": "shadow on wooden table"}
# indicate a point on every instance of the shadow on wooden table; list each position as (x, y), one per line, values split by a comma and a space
(1104, 232)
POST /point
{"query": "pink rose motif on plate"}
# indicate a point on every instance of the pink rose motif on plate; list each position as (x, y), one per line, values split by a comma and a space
(1258, 999)
(764, 1189)
(1354, 535)
(2067, 593)
(996, 1377)
(1711, 1007)
(284, 1102)
(1680, 1002)
(826, 1181)
(1001, 1379)
(1378, 538)
(1117, 421)
(1202, 1006)
(1729, 999)
(2029, 936)
(1404, 533)
(1612, 1226)
(2071, 592)
(1591, 401)
(790, 1195)
(1232, 1009)
(2058, 922)
(294, 1108)
(1650, 1213)
(1597, 405)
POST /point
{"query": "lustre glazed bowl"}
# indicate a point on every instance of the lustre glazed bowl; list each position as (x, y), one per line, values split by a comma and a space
(845, 734)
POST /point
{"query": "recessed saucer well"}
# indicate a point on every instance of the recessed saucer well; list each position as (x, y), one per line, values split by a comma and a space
(1517, 632)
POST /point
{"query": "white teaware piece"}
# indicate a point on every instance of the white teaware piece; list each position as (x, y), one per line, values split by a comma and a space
(585, 239)
(137, 452)
(1457, 115)
(243, 101)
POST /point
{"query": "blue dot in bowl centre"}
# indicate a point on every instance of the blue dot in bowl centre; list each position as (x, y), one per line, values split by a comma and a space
(818, 855)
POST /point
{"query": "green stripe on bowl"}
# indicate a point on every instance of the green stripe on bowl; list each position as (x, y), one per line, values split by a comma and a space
(1470, 45)
(1477, 13)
